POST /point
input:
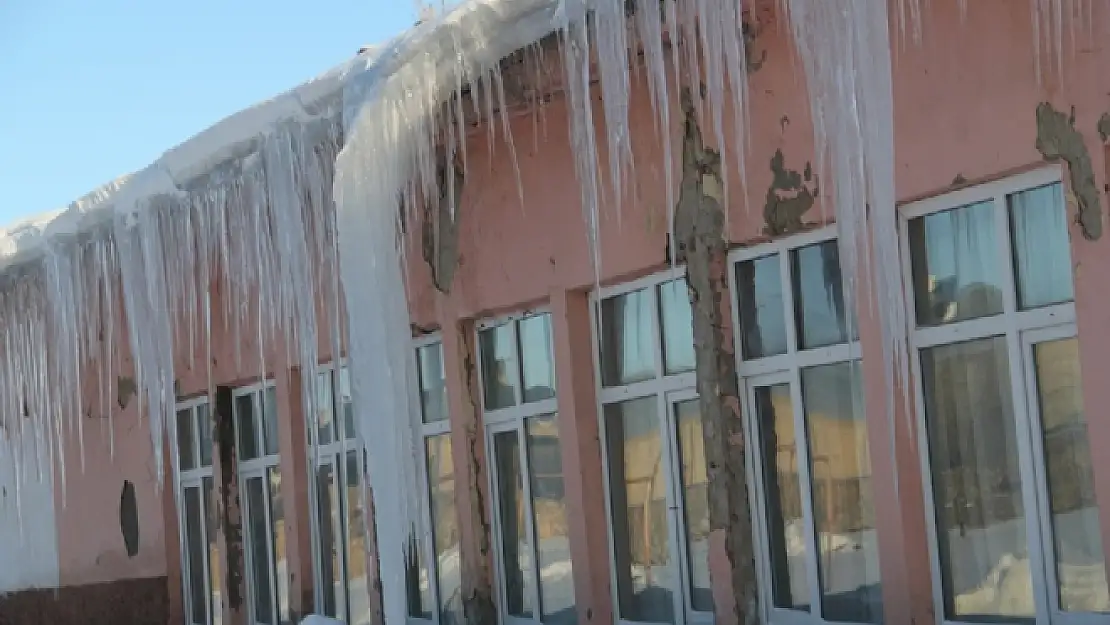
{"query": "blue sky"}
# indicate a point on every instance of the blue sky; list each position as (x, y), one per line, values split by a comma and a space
(93, 90)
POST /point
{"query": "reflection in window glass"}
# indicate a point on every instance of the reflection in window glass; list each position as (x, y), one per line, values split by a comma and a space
(418, 586)
(1077, 543)
(637, 488)
(281, 563)
(819, 310)
(537, 355)
(445, 529)
(328, 493)
(759, 293)
(350, 431)
(433, 385)
(270, 420)
(627, 346)
(954, 256)
(678, 326)
(695, 501)
(499, 368)
(782, 490)
(514, 531)
(325, 421)
(204, 432)
(1042, 258)
(356, 547)
(185, 455)
(194, 551)
(550, 510)
(214, 578)
(244, 426)
(981, 539)
(259, 551)
(843, 508)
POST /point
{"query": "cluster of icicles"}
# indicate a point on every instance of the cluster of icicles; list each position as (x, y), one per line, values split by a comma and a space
(266, 234)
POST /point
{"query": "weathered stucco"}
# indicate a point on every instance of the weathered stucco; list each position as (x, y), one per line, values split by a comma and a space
(1058, 139)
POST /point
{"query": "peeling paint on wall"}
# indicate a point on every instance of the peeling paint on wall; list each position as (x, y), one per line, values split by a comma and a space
(789, 197)
(1104, 126)
(125, 390)
(1057, 139)
(440, 236)
(129, 519)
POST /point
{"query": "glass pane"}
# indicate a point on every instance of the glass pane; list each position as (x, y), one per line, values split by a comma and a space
(627, 348)
(433, 384)
(516, 557)
(678, 326)
(328, 526)
(194, 547)
(695, 502)
(549, 508)
(1080, 569)
(969, 415)
(500, 371)
(281, 563)
(185, 453)
(244, 427)
(259, 551)
(954, 256)
(350, 430)
(204, 430)
(786, 534)
(445, 527)
(1042, 257)
(418, 586)
(637, 488)
(214, 579)
(325, 409)
(270, 420)
(537, 354)
(357, 580)
(819, 311)
(762, 320)
(843, 506)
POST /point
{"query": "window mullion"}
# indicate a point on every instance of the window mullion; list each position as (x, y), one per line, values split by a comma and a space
(805, 482)
(788, 302)
(518, 371)
(675, 520)
(526, 480)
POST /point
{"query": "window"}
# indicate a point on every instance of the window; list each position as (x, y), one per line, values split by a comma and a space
(340, 526)
(1015, 530)
(256, 430)
(810, 463)
(196, 504)
(435, 592)
(529, 506)
(655, 459)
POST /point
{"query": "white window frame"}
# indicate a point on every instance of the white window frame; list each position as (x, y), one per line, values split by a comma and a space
(258, 468)
(785, 368)
(668, 391)
(513, 419)
(1021, 330)
(193, 478)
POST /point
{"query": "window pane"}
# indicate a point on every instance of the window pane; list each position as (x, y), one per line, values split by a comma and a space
(418, 586)
(214, 579)
(1042, 257)
(782, 491)
(433, 385)
(637, 487)
(185, 453)
(954, 255)
(350, 430)
(550, 510)
(445, 527)
(259, 551)
(357, 579)
(759, 293)
(204, 430)
(270, 419)
(328, 526)
(325, 422)
(819, 311)
(981, 539)
(843, 507)
(281, 563)
(678, 327)
(516, 558)
(537, 354)
(499, 367)
(695, 502)
(194, 547)
(1080, 570)
(627, 348)
(244, 426)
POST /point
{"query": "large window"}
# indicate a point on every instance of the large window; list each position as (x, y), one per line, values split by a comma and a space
(529, 506)
(1015, 531)
(654, 455)
(810, 461)
(340, 525)
(434, 592)
(196, 505)
(256, 432)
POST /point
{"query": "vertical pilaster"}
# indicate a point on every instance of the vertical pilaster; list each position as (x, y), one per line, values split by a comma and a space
(296, 506)
(230, 512)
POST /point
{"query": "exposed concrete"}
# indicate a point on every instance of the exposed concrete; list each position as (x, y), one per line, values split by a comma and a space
(789, 197)
(1104, 126)
(229, 510)
(129, 519)
(127, 601)
(1058, 139)
(702, 244)
(440, 236)
(125, 390)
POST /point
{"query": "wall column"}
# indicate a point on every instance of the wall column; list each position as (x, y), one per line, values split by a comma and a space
(296, 507)
(229, 510)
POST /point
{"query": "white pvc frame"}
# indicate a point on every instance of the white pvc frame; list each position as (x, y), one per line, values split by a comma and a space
(193, 478)
(513, 419)
(1021, 330)
(668, 390)
(776, 370)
